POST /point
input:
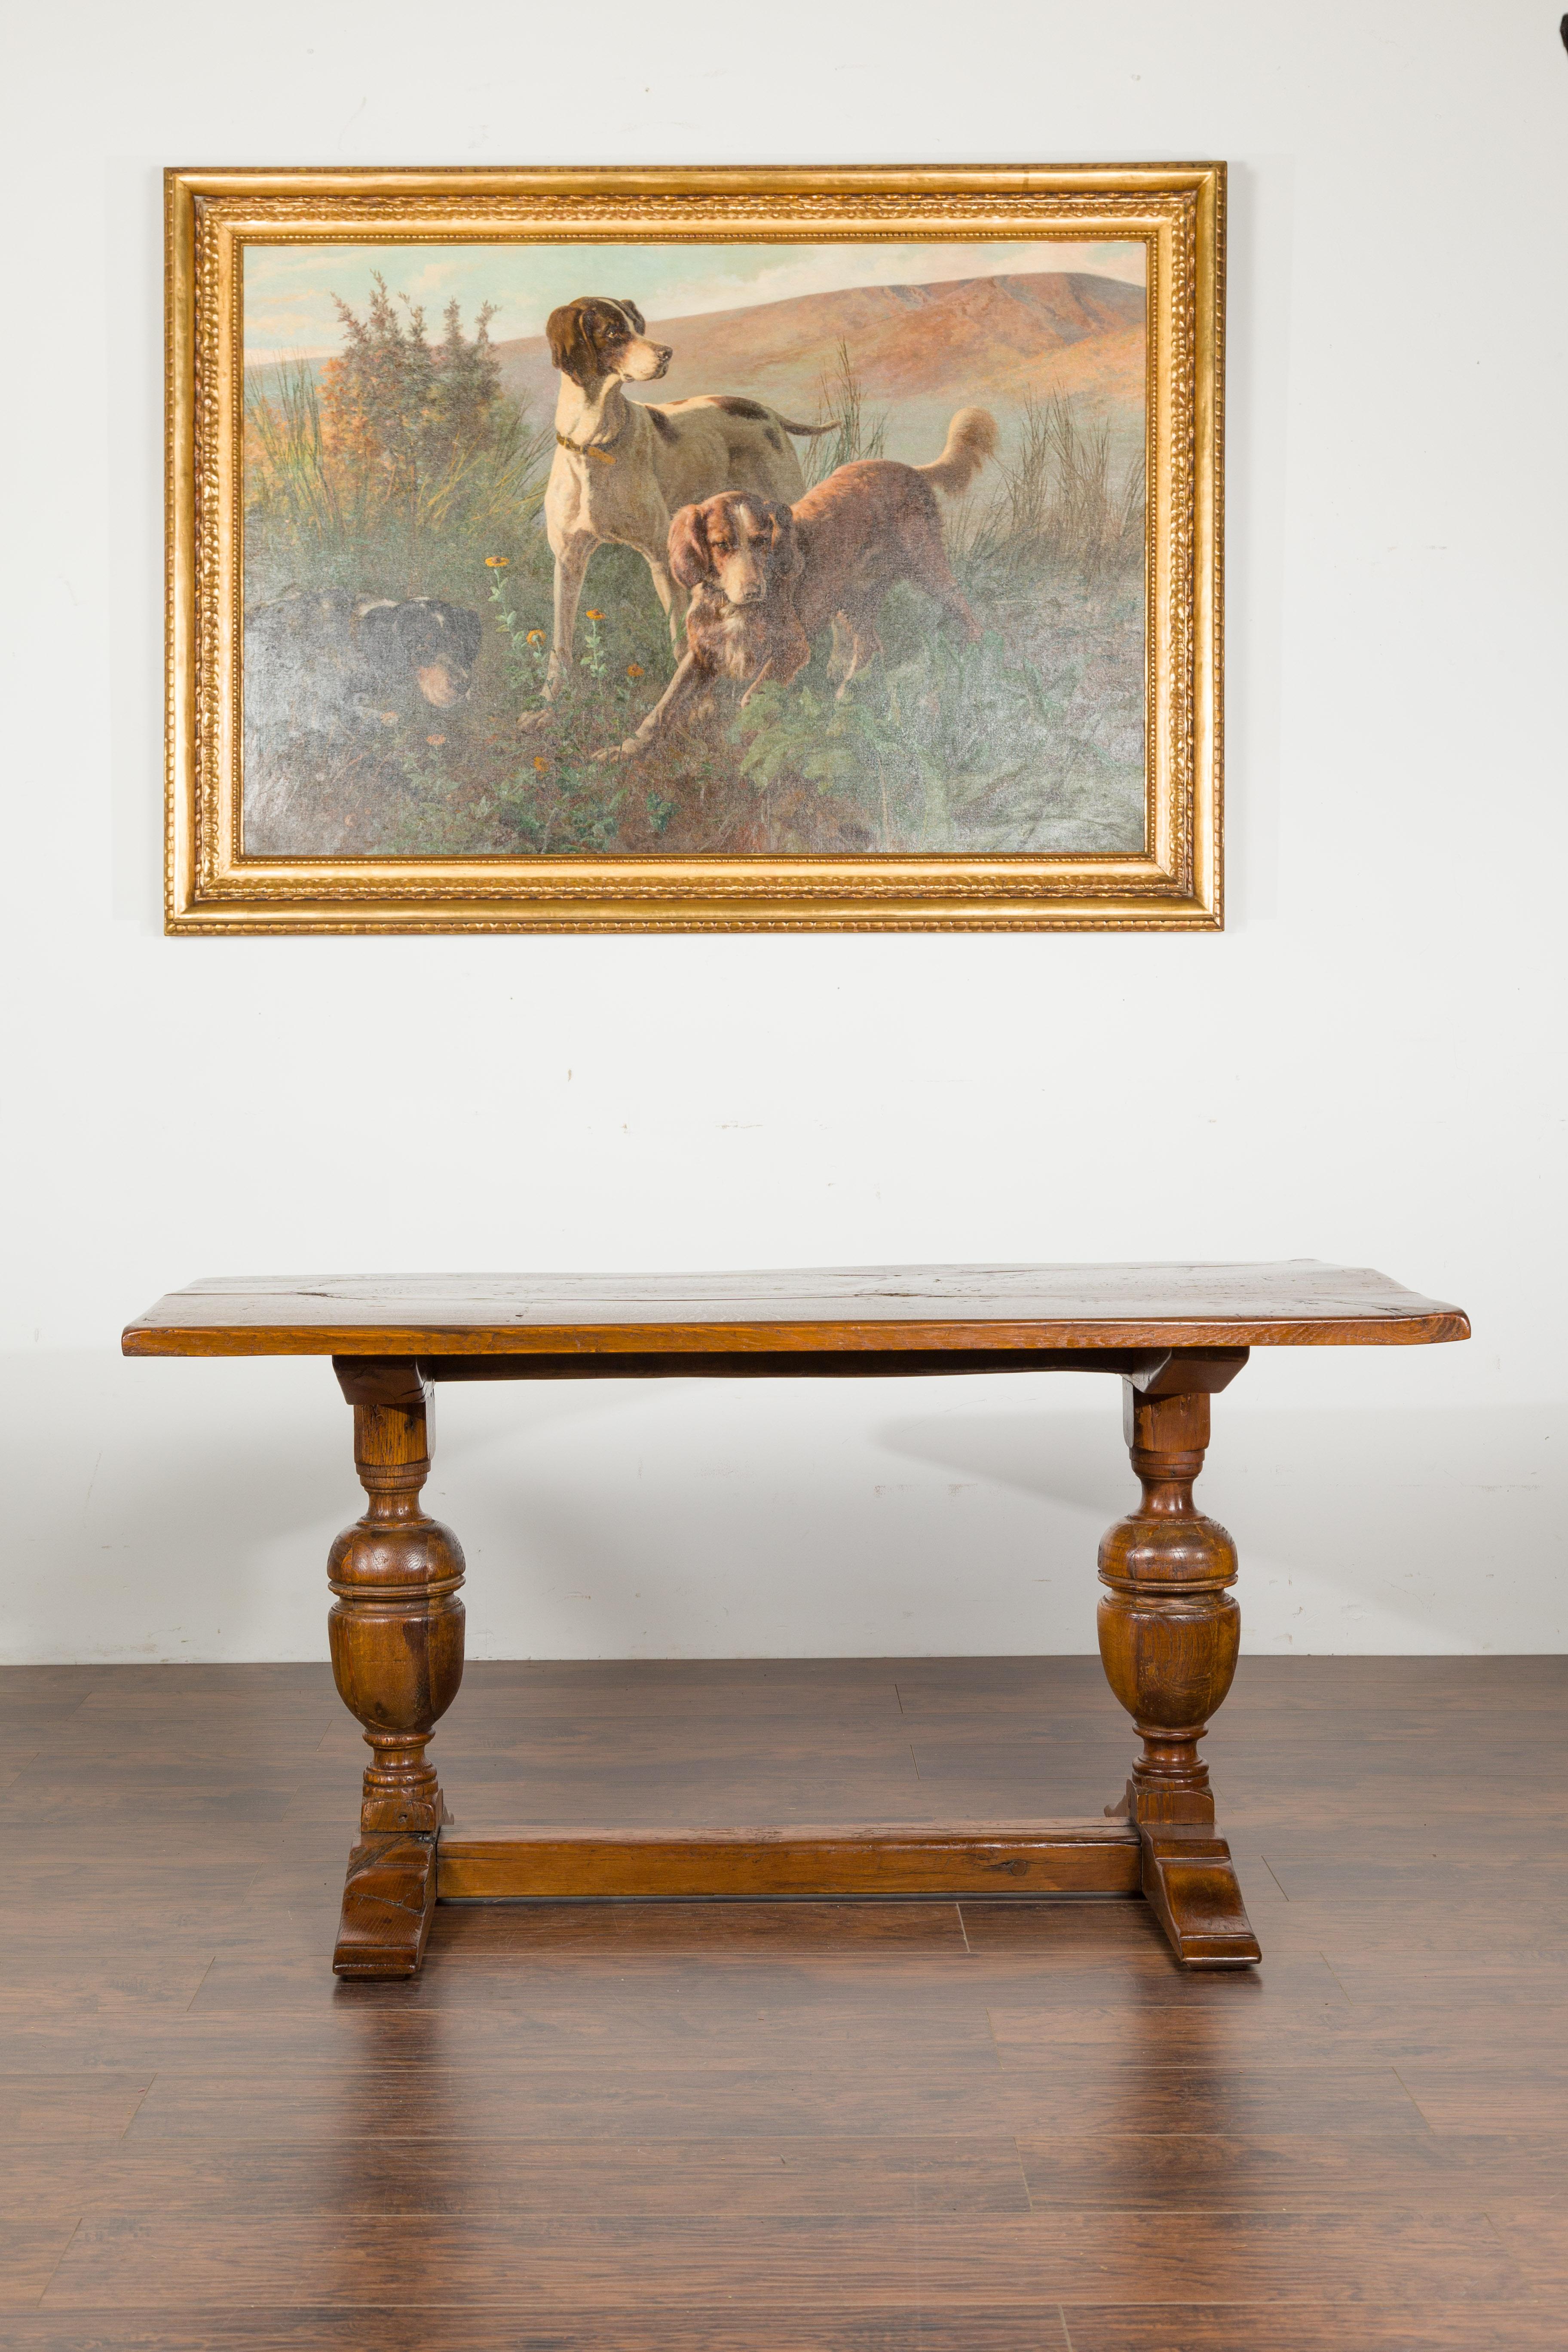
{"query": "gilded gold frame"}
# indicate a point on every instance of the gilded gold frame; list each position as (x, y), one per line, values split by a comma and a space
(1174, 884)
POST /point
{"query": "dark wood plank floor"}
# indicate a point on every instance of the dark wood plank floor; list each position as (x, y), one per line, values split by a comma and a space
(789, 2128)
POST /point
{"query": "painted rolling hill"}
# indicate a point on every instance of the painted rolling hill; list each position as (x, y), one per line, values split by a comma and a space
(920, 351)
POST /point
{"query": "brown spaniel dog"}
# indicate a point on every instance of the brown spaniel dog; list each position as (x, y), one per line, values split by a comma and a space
(765, 577)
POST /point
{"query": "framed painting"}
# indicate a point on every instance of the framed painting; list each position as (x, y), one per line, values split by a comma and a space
(694, 550)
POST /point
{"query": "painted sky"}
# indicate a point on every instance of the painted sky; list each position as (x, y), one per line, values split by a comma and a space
(288, 288)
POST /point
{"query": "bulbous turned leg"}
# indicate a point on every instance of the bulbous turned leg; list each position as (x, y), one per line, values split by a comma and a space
(396, 1632)
(1169, 1631)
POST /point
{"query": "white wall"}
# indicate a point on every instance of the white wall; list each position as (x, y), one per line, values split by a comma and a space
(1364, 1067)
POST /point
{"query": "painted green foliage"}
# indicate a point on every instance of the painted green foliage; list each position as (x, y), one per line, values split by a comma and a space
(405, 468)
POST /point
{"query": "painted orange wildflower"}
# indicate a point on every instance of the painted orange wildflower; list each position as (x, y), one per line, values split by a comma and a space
(497, 563)
(592, 616)
(536, 637)
(634, 670)
(540, 764)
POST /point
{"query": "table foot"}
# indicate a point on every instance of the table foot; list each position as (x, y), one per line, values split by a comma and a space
(388, 1897)
(1190, 1879)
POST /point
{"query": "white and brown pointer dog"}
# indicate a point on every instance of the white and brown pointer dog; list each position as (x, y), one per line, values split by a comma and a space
(622, 467)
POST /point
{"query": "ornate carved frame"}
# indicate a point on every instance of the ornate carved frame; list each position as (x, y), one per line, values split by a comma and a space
(1174, 885)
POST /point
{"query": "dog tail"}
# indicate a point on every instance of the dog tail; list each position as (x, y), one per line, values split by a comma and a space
(972, 438)
(812, 432)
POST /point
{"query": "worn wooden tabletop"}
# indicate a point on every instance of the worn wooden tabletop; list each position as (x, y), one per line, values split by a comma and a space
(798, 1311)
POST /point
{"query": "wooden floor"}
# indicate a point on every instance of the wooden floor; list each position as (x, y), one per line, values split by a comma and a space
(759, 2128)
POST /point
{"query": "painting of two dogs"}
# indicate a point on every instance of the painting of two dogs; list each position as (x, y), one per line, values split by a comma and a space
(711, 491)
(885, 590)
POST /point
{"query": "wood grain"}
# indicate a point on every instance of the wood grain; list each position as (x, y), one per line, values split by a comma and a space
(1419, 2325)
(661, 2328)
(523, 2261)
(65, 2106)
(783, 2127)
(811, 2177)
(887, 1859)
(1428, 2172)
(31, 2247)
(1422, 2327)
(796, 1312)
(963, 2094)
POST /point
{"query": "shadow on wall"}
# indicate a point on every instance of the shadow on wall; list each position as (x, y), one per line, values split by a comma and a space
(1074, 1459)
(177, 1509)
(184, 1510)
(1391, 1530)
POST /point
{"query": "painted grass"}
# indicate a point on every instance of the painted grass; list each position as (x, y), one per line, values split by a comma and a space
(1031, 740)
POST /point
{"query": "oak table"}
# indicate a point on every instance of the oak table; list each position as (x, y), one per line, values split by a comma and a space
(1176, 1336)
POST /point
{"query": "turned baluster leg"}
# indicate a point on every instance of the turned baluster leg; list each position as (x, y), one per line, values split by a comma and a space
(1168, 1635)
(396, 1632)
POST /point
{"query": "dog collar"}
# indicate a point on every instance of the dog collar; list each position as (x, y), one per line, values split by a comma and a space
(587, 448)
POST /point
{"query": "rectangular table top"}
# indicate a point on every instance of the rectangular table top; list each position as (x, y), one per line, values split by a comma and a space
(797, 1311)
